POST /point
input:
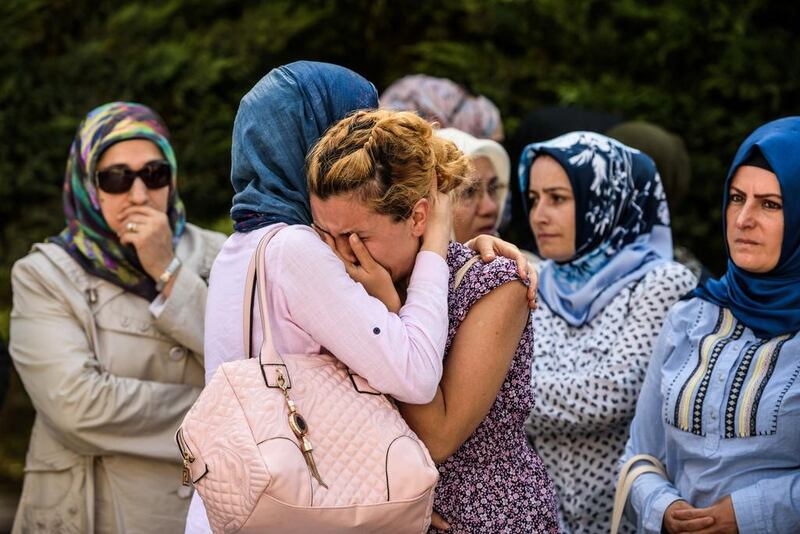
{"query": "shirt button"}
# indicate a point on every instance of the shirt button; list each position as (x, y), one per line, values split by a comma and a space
(721, 377)
(177, 353)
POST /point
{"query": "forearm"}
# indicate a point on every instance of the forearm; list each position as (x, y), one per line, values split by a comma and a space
(181, 315)
(770, 505)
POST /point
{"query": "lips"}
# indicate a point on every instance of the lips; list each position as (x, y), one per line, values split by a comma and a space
(742, 241)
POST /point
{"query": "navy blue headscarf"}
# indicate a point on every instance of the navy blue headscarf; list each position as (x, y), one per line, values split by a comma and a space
(621, 222)
(278, 122)
(768, 303)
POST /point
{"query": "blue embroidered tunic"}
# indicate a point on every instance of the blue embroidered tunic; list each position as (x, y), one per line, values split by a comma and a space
(721, 408)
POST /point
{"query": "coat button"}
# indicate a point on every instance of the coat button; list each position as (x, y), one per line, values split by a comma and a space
(177, 353)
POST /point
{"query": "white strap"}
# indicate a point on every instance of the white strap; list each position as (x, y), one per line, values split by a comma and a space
(256, 285)
(627, 477)
(463, 271)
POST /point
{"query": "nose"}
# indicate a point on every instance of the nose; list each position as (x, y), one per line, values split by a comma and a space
(487, 204)
(746, 217)
(539, 214)
(138, 192)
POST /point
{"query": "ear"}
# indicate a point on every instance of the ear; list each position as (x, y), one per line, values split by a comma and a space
(419, 217)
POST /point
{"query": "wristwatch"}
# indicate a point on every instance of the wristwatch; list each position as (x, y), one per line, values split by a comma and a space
(166, 276)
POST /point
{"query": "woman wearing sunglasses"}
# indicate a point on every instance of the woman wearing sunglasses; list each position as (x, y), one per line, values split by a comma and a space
(107, 335)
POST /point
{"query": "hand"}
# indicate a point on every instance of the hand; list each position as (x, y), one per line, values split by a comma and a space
(438, 521)
(489, 247)
(439, 225)
(719, 518)
(366, 271)
(152, 237)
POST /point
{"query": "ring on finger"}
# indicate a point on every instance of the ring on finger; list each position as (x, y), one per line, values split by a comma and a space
(131, 227)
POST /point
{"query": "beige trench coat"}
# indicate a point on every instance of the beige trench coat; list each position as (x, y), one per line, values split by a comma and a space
(111, 380)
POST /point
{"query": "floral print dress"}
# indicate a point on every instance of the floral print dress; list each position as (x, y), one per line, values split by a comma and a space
(495, 482)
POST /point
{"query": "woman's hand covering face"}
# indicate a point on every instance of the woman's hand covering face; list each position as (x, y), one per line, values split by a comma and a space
(366, 271)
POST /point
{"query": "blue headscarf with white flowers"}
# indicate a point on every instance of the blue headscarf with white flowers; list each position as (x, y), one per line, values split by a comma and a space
(767, 303)
(622, 227)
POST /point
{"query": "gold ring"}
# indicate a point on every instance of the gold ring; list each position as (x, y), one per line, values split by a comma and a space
(131, 227)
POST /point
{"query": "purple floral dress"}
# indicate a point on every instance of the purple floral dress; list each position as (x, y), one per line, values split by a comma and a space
(495, 482)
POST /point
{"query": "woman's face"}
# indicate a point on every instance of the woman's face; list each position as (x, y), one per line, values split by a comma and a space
(135, 154)
(394, 245)
(754, 219)
(552, 215)
(476, 209)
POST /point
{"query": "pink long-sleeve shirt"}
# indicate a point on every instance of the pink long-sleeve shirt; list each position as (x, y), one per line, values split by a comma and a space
(314, 303)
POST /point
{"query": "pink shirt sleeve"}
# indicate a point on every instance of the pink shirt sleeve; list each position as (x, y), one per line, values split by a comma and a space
(398, 354)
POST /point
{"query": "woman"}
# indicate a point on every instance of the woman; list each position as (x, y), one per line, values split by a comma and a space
(107, 335)
(479, 206)
(369, 177)
(600, 218)
(720, 406)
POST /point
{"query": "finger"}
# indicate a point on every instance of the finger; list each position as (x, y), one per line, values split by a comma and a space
(485, 247)
(144, 211)
(693, 525)
(438, 521)
(682, 514)
(362, 254)
(532, 297)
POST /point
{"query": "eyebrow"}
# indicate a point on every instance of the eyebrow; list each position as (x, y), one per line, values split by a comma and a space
(551, 189)
(765, 195)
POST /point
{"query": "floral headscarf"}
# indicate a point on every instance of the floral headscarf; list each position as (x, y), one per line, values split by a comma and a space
(87, 237)
(445, 102)
(622, 226)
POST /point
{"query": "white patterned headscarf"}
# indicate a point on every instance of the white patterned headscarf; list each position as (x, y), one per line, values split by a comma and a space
(622, 226)
(474, 148)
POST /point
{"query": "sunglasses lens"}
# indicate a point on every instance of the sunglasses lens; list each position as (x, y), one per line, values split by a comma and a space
(115, 180)
(156, 174)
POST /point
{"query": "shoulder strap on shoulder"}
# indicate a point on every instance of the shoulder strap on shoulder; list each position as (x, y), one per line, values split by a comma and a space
(463, 270)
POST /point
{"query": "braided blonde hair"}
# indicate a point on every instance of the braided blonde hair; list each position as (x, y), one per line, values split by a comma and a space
(389, 158)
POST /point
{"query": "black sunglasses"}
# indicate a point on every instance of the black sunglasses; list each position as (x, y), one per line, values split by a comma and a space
(119, 178)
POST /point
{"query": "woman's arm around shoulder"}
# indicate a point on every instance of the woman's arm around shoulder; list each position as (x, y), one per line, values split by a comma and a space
(475, 368)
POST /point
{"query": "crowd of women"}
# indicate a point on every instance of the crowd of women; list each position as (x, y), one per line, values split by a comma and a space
(553, 387)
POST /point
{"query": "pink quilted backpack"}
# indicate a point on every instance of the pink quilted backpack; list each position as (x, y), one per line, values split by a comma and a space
(296, 443)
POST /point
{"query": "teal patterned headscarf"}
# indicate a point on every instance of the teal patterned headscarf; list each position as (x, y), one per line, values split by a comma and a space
(87, 237)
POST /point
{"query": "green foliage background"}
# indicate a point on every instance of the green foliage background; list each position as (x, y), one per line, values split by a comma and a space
(710, 70)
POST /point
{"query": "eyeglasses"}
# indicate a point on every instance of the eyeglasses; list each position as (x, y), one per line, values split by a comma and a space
(119, 178)
(475, 191)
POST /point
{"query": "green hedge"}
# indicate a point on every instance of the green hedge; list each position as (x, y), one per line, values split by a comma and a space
(709, 70)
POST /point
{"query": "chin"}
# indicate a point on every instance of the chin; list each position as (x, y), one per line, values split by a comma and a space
(754, 265)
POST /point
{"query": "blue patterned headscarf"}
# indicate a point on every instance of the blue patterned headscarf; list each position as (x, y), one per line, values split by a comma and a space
(622, 227)
(768, 303)
(278, 122)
